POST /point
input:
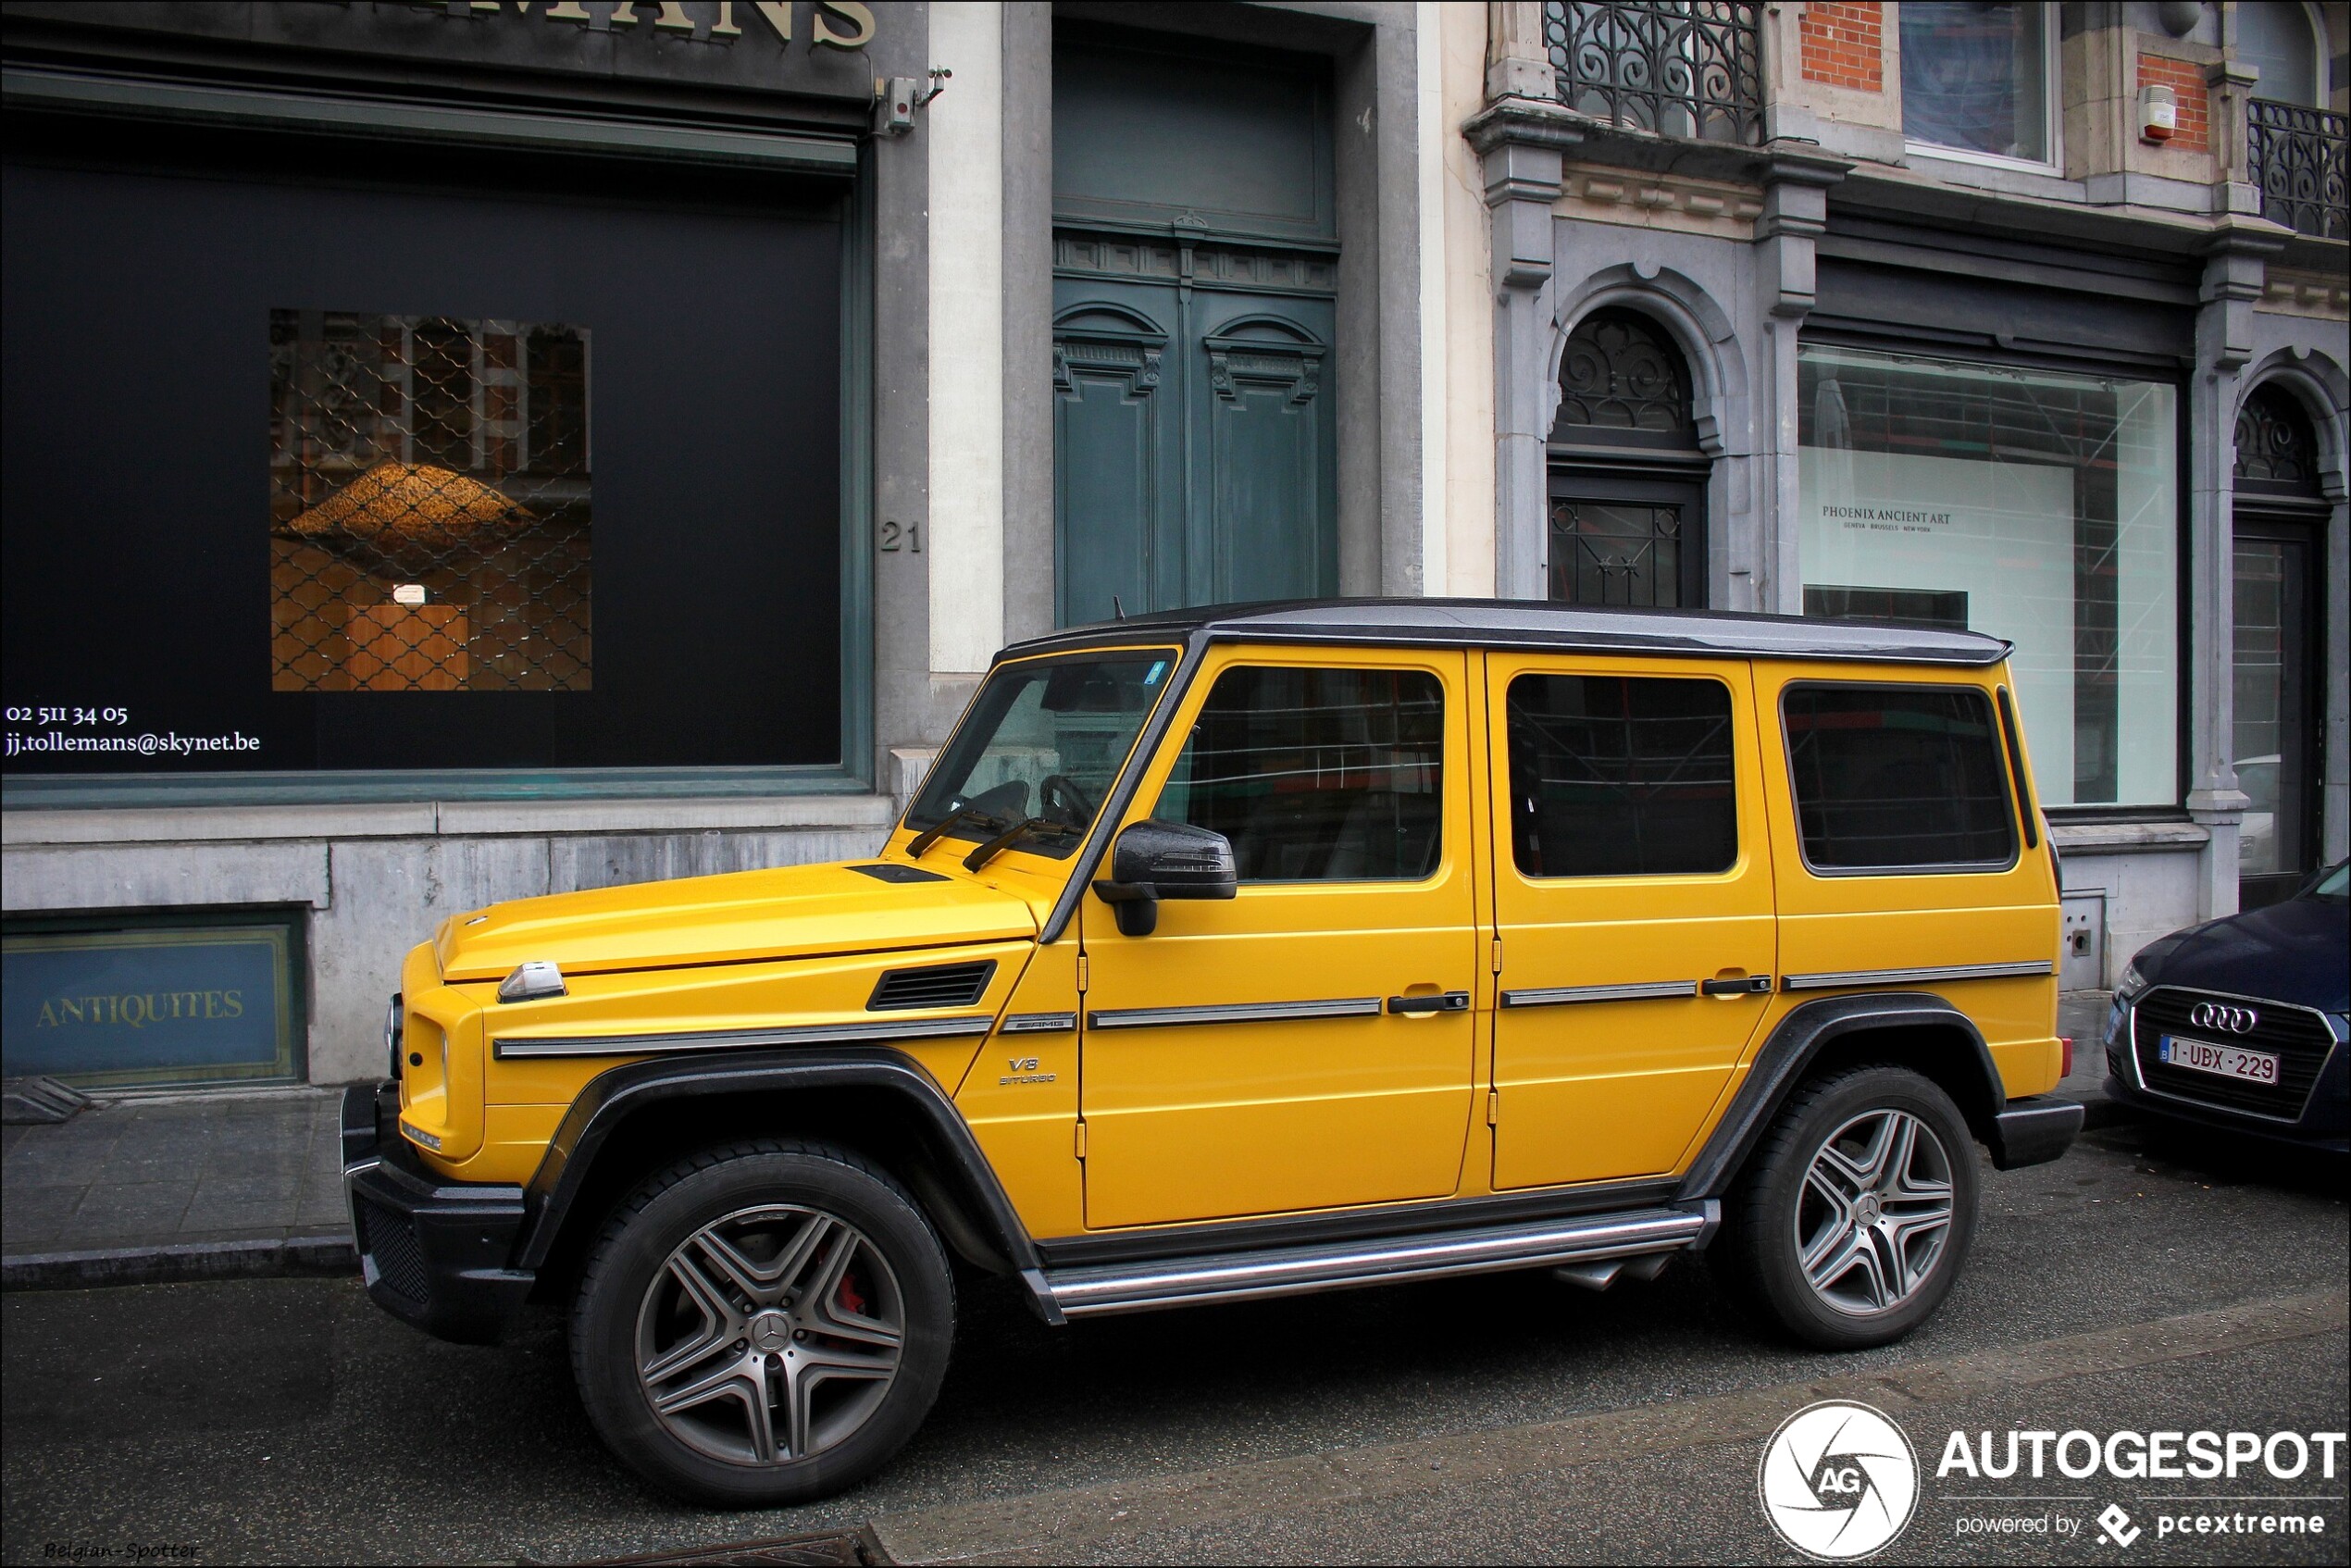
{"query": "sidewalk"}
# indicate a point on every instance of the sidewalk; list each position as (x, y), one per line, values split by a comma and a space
(189, 1186)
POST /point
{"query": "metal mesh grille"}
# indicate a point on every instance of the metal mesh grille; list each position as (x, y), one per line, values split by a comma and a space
(386, 1238)
(429, 504)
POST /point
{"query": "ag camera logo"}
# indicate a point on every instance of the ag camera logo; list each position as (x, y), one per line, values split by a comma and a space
(1839, 1480)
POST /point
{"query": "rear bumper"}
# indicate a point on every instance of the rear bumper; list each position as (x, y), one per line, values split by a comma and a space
(2034, 1132)
(433, 1252)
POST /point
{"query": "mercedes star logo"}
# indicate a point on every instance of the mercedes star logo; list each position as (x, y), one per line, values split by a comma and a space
(2219, 1015)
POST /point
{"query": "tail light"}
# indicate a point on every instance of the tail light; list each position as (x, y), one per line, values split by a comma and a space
(2065, 1057)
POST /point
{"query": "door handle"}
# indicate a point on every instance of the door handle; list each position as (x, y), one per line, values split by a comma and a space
(1747, 985)
(1444, 1002)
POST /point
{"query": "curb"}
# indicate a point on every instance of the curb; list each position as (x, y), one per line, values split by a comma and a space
(273, 1256)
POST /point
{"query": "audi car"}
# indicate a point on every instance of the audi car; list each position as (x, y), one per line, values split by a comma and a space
(2240, 1023)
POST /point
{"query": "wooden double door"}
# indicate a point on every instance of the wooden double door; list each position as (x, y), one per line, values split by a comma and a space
(1194, 438)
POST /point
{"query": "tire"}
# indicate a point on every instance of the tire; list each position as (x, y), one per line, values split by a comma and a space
(1866, 1267)
(762, 1323)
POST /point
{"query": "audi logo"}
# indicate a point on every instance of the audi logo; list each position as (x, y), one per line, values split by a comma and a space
(2222, 1016)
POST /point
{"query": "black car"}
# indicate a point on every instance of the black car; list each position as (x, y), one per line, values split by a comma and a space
(2240, 1023)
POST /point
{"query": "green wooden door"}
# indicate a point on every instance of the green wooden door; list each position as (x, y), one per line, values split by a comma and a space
(1195, 275)
(1193, 445)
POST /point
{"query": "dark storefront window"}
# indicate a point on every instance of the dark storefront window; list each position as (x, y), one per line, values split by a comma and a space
(2040, 506)
(310, 474)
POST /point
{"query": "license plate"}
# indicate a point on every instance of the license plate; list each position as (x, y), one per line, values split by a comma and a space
(2221, 1060)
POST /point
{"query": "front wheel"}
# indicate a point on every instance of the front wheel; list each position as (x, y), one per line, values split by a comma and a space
(762, 1325)
(1850, 1225)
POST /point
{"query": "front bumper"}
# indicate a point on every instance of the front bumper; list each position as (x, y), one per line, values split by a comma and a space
(2323, 1121)
(434, 1252)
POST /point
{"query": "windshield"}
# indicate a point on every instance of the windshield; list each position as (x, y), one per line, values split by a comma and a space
(2333, 884)
(1041, 744)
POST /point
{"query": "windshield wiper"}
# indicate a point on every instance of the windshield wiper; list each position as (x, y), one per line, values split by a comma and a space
(1011, 836)
(953, 819)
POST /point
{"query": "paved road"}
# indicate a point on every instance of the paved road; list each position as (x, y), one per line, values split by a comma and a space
(2146, 1282)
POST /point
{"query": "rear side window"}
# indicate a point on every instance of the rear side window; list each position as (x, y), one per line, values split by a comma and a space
(1616, 776)
(1895, 778)
(1317, 775)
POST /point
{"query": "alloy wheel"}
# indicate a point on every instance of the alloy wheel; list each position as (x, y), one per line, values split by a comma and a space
(769, 1335)
(1875, 1211)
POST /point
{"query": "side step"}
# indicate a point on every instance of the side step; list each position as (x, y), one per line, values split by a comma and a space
(1294, 1270)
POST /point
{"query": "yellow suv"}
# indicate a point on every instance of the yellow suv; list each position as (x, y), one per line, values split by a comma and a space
(1245, 952)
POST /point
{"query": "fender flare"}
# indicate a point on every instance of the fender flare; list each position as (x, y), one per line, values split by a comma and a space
(613, 1097)
(1794, 1043)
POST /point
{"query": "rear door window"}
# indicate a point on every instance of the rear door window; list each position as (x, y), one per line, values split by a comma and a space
(1896, 777)
(1620, 775)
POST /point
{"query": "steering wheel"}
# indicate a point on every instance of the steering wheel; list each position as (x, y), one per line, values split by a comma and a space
(1063, 800)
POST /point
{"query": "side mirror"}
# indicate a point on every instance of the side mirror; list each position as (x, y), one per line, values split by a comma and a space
(1156, 860)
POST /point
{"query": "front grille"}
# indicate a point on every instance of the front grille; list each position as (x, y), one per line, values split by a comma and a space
(2298, 1038)
(938, 985)
(392, 1243)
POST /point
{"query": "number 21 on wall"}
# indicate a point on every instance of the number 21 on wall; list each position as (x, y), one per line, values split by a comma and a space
(901, 536)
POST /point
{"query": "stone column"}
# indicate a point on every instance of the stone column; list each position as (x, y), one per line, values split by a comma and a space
(1522, 151)
(1796, 204)
(2233, 281)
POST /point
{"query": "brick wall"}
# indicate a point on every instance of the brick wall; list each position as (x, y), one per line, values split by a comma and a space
(2187, 81)
(1843, 44)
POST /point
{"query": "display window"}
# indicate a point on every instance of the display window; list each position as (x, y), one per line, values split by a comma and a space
(320, 477)
(2041, 506)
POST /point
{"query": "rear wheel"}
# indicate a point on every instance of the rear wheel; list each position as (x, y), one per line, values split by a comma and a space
(1851, 1224)
(762, 1325)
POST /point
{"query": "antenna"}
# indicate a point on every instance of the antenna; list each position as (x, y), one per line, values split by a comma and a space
(1117, 610)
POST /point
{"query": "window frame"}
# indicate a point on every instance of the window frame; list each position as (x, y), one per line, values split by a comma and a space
(1190, 721)
(598, 142)
(2052, 120)
(1921, 869)
(1892, 338)
(1510, 784)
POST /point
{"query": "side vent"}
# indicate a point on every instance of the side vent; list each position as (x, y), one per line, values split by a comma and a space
(940, 985)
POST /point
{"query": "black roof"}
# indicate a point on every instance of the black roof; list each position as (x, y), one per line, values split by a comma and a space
(1520, 623)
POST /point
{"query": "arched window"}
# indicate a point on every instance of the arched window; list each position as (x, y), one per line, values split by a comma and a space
(1628, 480)
(2277, 450)
(1623, 379)
(2281, 39)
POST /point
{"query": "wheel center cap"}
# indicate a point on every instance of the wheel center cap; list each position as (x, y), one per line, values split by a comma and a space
(769, 1330)
(1867, 1209)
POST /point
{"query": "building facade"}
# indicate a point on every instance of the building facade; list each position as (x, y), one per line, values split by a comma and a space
(1989, 316)
(662, 411)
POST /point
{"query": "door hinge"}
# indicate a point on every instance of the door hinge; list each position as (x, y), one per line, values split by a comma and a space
(1493, 1107)
(1084, 973)
(1081, 1140)
(1498, 956)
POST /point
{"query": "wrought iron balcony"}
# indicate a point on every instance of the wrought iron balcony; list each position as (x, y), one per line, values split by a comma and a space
(1674, 68)
(2297, 155)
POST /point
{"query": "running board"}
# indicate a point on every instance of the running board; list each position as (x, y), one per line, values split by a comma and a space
(1293, 1271)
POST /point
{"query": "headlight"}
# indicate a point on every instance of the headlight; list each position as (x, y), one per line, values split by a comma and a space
(2132, 983)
